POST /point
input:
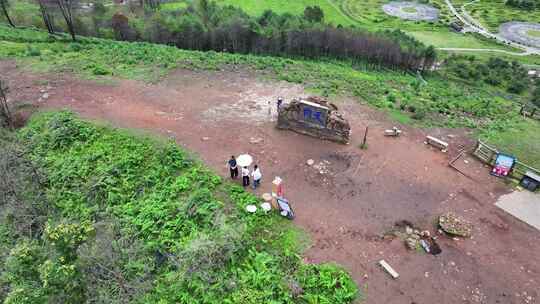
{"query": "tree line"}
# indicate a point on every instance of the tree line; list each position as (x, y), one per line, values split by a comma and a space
(524, 4)
(204, 25)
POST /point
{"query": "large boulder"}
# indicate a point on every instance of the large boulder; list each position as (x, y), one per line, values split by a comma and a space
(455, 225)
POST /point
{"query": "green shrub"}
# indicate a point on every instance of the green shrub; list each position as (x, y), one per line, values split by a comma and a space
(32, 51)
(326, 284)
(210, 250)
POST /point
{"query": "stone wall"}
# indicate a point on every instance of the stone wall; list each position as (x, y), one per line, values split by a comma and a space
(292, 116)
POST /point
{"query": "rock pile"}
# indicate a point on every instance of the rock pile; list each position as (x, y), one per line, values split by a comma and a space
(455, 225)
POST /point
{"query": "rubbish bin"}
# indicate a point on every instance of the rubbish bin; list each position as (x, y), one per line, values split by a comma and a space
(530, 181)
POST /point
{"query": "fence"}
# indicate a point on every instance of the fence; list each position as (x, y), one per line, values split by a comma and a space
(488, 155)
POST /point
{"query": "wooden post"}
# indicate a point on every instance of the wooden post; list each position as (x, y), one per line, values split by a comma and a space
(364, 142)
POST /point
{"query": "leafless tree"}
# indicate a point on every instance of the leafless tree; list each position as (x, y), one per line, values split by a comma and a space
(22, 198)
(104, 263)
(5, 114)
(4, 5)
(66, 7)
(46, 17)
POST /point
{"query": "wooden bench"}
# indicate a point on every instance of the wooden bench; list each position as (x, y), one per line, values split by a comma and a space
(437, 143)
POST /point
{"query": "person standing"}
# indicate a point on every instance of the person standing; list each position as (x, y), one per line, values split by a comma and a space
(233, 167)
(256, 176)
(245, 176)
(279, 102)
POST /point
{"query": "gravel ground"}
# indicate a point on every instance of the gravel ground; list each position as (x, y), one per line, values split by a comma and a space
(518, 32)
(423, 12)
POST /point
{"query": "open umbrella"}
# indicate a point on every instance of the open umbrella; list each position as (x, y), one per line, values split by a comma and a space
(244, 160)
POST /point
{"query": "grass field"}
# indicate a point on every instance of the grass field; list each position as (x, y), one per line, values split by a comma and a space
(173, 6)
(369, 13)
(492, 13)
(448, 39)
(534, 33)
(521, 138)
(332, 13)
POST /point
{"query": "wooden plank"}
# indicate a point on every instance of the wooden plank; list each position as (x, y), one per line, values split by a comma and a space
(437, 142)
(389, 269)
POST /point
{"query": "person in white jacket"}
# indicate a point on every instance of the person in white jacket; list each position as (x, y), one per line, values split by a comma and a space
(257, 176)
(245, 176)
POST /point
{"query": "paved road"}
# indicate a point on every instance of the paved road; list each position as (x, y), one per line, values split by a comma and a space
(474, 26)
(524, 205)
(484, 50)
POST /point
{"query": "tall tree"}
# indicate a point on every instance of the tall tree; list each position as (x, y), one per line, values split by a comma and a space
(314, 14)
(535, 99)
(152, 4)
(430, 55)
(46, 17)
(203, 9)
(66, 7)
(5, 4)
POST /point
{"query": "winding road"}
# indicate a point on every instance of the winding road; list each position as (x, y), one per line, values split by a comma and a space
(474, 26)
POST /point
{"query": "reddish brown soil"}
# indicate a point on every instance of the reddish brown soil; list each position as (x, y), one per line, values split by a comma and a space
(347, 210)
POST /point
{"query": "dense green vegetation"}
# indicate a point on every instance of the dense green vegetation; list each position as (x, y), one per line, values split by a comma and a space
(204, 25)
(448, 98)
(94, 214)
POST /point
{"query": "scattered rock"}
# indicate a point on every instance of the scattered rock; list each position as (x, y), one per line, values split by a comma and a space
(455, 225)
(255, 140)
(408, 230)
(266, 197)
(310, 162)
(411, 243)
(425, 233)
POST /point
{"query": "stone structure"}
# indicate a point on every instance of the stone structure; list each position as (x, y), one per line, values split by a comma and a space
(316, 117)
(455, 225)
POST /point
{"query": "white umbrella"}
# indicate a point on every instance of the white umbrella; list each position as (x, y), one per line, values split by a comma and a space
(244, 160)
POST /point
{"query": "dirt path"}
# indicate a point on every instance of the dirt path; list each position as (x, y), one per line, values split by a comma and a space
(359, 196)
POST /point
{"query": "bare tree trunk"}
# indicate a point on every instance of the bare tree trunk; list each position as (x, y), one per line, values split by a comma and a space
(66, 9)
(3, 4)
(4, 108)
(46, 17)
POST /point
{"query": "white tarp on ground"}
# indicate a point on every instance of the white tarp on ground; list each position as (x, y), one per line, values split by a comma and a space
(524, 205)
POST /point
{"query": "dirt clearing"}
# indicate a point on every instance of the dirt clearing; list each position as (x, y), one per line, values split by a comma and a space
(349, 199)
